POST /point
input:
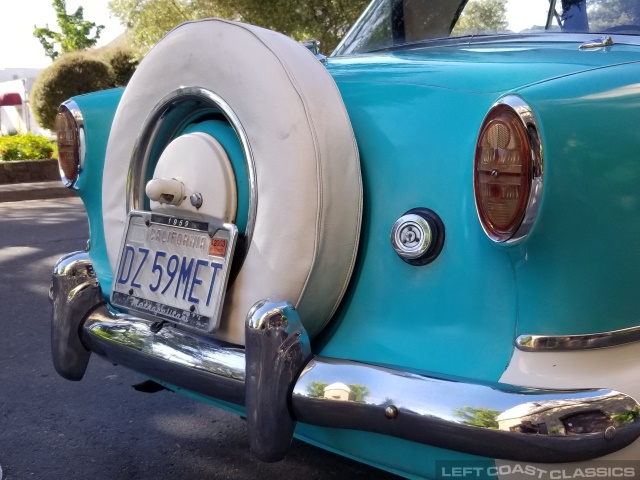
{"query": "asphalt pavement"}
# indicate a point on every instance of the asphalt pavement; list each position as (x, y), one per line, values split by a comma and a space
(14, 192)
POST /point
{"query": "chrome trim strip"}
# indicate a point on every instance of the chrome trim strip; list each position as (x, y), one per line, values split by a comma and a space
(171, 109)
(72, 107)
(492, 420)
(567, 343)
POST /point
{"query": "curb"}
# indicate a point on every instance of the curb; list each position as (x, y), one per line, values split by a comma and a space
(16, 192)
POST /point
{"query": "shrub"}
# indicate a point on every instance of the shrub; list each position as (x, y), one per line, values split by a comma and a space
(123, 62)
(72, 74)
(26, 147)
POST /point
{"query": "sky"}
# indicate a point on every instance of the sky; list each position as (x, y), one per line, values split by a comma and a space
(20, 49)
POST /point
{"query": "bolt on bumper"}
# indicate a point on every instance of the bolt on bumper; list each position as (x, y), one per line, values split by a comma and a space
(279, 382)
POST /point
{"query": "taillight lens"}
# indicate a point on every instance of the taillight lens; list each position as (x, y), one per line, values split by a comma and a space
(68, 146)
(504, 169)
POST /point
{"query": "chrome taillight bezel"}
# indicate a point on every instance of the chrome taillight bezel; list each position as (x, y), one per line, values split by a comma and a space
(535, 170)
(71, 111)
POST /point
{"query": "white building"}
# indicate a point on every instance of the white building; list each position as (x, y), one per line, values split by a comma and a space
(337, 391)
(15, 114)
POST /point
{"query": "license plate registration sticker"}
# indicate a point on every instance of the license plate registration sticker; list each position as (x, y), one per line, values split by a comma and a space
(174, 269)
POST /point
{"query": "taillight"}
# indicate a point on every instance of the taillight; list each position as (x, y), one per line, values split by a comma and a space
(69, 135)
(508, 170)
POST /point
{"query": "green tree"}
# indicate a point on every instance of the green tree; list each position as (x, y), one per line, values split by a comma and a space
(478, 417)
(359, 393)
(147, 21)
(324, 20)
(482, 17)
(316, 389)
(604, 14)
(75, 32)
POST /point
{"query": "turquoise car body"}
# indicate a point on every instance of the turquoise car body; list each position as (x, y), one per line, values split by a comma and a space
(416, 113)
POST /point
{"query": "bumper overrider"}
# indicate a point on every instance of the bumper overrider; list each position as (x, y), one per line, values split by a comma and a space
(279, 382)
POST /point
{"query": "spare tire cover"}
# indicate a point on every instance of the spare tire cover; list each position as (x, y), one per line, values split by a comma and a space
(307, 171)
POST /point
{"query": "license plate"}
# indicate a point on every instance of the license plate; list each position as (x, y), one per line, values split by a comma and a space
(174, 269)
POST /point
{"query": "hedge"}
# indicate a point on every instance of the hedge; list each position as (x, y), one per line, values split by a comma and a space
(77, 73)
(70, 75)
(26, 147)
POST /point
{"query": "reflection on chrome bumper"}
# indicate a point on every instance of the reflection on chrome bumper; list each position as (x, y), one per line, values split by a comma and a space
(497, 420)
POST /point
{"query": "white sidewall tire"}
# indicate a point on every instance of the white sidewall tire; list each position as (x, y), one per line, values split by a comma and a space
(308, 183)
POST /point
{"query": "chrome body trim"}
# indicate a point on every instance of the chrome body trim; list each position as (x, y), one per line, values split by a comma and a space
(523, 424)
(73, 108)
(528, 119)
(567, 343)
(168, 117)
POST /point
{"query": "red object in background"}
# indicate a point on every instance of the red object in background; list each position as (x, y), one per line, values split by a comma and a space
(10, 99)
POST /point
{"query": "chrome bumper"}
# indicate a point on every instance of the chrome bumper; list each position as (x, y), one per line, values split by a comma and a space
(280, 383)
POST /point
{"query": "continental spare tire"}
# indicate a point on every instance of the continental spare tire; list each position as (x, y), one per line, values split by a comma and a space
(304, 184)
